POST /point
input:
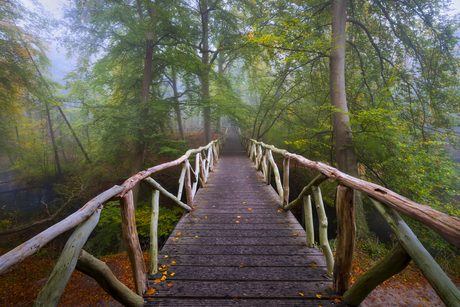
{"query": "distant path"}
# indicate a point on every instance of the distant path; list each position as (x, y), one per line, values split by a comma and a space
(236, 248)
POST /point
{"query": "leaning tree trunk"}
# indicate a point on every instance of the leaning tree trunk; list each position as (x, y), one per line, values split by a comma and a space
(205, 73)
(345, 151)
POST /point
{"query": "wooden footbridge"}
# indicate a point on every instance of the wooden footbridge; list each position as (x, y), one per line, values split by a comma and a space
(238, 244)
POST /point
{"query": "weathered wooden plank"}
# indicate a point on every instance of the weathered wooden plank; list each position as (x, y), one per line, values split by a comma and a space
(194, 249)
(236, 273)
(253, 241)
(247, 289)
(248, 226)
(241, 232)
(242, 302)
(247, 260)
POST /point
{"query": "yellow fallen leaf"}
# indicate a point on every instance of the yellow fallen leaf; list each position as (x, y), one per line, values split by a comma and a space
(237, 221)
(244, 202)
(151, 291)
(196, 236)
(239, 216)
(157, 281)
(301, 294)
(163, 278)
(165, 272)
(172, 274)
(166, 256)
(205, 217)
(170, 284)
(319, 296)
(313, 265)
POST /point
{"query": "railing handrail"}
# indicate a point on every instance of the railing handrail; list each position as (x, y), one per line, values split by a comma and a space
(386, 202)
(445, 225)
(122, 193)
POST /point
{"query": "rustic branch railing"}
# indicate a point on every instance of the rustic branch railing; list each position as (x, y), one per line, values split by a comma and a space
(87, 218)
(387, 203)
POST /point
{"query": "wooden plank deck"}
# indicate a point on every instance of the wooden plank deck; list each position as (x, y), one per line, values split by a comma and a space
(236, 248)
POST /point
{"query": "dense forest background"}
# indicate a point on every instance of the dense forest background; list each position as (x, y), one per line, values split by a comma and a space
(141, 74)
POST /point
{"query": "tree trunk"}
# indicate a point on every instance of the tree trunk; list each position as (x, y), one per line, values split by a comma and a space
(347, 160)
(176, 104)
(205, 73)
(145, 89)
(56, 155)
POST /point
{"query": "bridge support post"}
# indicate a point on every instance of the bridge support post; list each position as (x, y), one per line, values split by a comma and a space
(346, 236)
(128, 224)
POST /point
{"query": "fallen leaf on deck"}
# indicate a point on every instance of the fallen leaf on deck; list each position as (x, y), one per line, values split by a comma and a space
(301, 294)
(157, 281)
(319, 296)
(151, 291)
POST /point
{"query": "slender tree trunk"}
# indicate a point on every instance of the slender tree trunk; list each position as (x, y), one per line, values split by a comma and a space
(177, 105)
(345, 151)
(56, 154)
(145, 89)
(205, 73)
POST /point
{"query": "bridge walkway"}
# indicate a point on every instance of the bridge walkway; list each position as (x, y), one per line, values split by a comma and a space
(237, 248)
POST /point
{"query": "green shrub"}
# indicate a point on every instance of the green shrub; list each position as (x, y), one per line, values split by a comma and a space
(108, 233)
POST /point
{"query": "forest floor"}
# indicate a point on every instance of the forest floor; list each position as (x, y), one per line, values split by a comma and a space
(21, 285)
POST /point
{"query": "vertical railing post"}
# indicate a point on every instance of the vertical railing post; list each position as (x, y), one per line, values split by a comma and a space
(181, 181)
(346, 236)
(188, 184)
(154, 232)
(324, 243)
(269, 168)
(308, 217)
(131, 239)
(285, 182)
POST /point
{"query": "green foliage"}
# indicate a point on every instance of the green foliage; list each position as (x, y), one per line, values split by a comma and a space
(108, 233)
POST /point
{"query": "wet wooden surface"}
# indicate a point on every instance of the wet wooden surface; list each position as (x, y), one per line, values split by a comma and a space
(238, 248)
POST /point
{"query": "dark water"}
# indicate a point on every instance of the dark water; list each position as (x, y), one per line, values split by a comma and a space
(21, 201)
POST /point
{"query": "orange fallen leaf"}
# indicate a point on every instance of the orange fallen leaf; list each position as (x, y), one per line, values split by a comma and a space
(337, 300)
(240, 265)
(151, 291)
(170, 284)
(295, 235)
(205, 217)
(237, 221)
(178, 233)
(157, 281)
(301, 294)
(249, 208)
